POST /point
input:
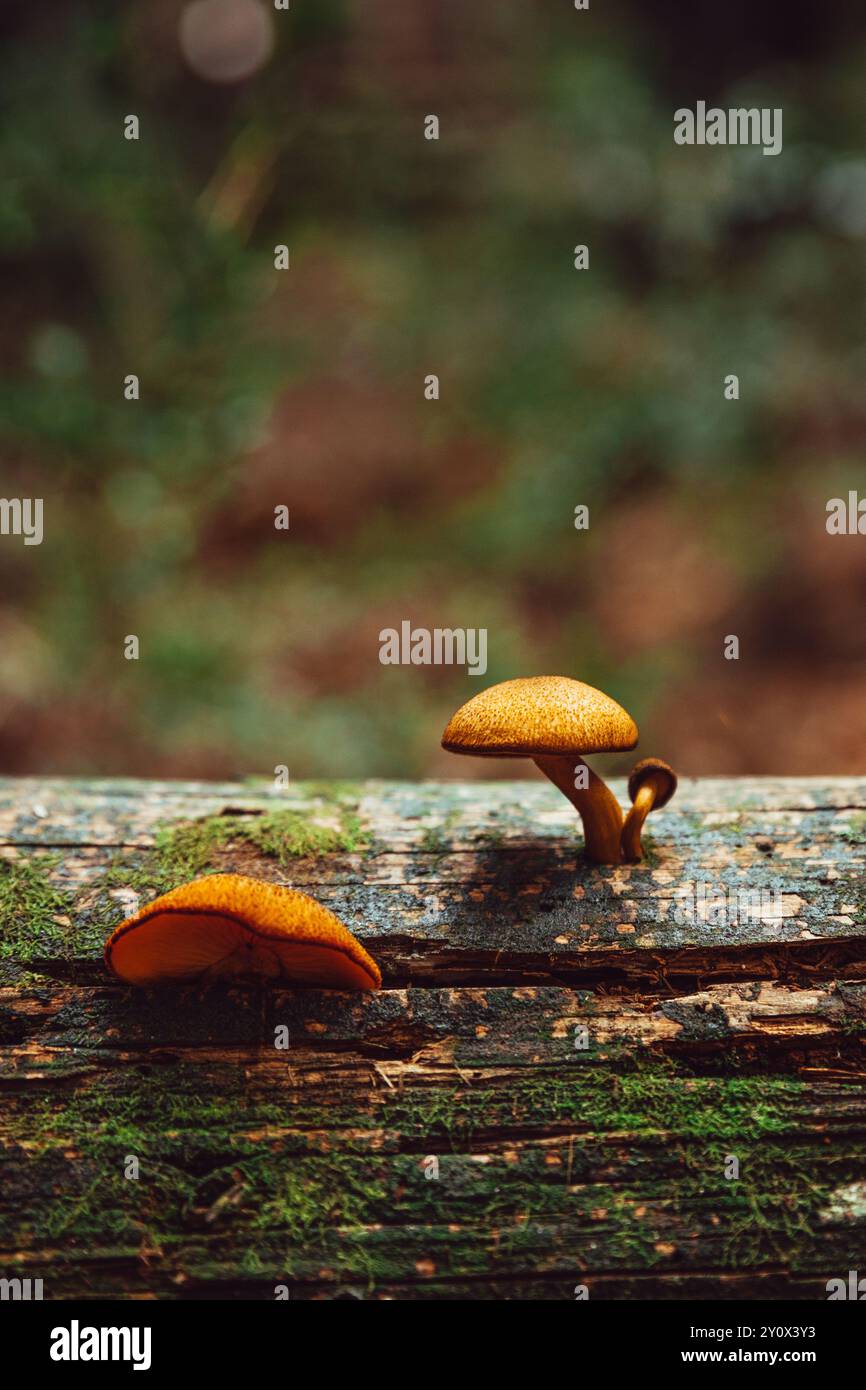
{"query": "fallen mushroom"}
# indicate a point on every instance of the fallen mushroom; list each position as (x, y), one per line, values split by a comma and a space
(553, 720)
(651, 785)
(228, 925)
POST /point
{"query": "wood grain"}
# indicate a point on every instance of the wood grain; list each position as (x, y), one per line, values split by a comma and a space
(579, 1049)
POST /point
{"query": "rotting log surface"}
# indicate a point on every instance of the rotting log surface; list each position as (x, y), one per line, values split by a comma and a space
(546, 1092)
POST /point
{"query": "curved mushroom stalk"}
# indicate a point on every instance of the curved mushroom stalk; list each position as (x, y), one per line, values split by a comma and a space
(596, 805)
(651, 785)
(632, 849)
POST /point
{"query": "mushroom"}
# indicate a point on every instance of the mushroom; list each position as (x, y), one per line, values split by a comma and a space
(231, 926)
(651, 785)
(553, 720)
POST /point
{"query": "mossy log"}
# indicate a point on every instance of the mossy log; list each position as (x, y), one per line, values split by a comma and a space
(572, 1077)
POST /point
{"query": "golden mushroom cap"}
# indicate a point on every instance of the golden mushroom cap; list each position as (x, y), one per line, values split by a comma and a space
(538, 715)
(232, 926)
(660, 773)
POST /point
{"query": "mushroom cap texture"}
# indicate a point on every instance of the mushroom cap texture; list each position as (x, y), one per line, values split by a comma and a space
(234, 926)
(540, 715)
(665, 776)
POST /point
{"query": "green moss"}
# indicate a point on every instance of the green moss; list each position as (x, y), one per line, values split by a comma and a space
(630, 1095)
(39, 921)
(657, 1097)
(306, 1198)
(189, 850)
(435, 839)
(331, 826)
(651, 859)
(304, 1185)
(489, 839)
(185, 851)
(34, 913)
(285, 835)
(855, 830)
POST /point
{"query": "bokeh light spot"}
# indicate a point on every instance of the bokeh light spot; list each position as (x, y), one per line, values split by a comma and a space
(226, 40)
(58, 351)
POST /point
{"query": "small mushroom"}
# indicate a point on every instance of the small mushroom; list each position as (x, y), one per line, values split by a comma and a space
(231, 926)
(651, 785)
(553, 720)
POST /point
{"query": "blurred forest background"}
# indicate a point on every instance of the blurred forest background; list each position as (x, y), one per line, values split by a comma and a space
(558, 387)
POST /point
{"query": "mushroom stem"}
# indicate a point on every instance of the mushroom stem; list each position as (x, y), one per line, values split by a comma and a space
(632, 849)
(651, 783)
(596, 805)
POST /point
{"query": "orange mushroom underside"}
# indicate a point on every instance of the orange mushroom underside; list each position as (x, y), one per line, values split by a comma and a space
(227, 926)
